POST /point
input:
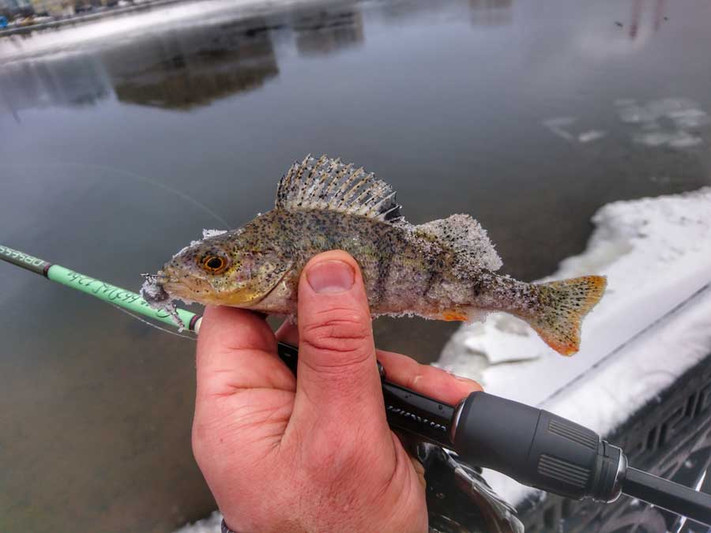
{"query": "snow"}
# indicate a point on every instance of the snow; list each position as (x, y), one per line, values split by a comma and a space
(653, 323)
(211, 524)
(209, 233)
(128, 26)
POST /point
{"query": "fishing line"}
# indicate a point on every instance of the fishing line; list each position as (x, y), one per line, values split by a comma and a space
(136, 176)
(146, 179)
(156, 326)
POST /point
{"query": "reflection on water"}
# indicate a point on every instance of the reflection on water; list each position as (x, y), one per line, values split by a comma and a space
(657, 12)
(325, 31)
(491, 12)
(194, 66)
(176, 70)
(180, 69)
(75, 80)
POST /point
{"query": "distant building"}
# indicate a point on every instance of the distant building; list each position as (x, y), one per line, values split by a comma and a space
(15, 7)
(54, 8)
(14, 4)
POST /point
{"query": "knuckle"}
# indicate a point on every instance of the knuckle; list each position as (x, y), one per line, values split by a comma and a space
(348, 337)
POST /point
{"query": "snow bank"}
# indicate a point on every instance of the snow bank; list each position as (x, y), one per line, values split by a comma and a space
(211, 524)
(653, 323)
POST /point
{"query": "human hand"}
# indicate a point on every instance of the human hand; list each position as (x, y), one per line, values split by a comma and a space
(314, 454)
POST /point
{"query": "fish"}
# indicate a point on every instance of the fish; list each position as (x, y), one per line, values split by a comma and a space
(445, 269)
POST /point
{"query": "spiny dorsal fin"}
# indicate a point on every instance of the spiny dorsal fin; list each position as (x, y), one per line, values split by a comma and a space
(467, 238)
(330, 185)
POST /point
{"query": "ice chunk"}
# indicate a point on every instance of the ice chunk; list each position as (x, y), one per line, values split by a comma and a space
(592, 135)
(208, 233)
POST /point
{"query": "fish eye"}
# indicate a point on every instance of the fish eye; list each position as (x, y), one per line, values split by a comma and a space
(214, 264)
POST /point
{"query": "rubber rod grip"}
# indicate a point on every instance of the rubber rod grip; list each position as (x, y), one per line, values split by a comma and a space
(535, 447)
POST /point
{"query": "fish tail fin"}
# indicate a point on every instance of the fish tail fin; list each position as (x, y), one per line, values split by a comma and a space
(565, 303)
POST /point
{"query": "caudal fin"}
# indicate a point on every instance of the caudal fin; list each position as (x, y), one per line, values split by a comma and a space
(565, 304)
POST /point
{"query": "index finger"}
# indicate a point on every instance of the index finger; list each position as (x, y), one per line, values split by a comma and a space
(406, 372)
(236, 351)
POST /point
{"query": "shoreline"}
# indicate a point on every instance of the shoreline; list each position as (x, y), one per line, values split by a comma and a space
(71, 21)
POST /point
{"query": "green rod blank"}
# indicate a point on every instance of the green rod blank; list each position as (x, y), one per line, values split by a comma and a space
(106, 292)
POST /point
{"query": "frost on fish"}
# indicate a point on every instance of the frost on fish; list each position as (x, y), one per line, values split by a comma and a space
(444, 270)
(328, 184)
(155, 295)
(467, 238)
(208, 233)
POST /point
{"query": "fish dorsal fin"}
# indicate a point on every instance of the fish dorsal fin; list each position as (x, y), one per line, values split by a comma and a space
(328, 184)
(467, 239)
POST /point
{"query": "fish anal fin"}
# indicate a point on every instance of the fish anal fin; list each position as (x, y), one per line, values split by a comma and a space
(328, 184)
(565, 304)
(455, 315)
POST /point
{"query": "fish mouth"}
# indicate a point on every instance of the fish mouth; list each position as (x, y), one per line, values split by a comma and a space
(160, 289)
(188, 289)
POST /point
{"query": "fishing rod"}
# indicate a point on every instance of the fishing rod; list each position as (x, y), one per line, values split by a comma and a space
(106, 292)
(532, 446)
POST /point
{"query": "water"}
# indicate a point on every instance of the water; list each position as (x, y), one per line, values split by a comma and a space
(122, 139)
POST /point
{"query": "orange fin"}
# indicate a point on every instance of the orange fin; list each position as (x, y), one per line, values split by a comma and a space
(565, 304)
(453, 315)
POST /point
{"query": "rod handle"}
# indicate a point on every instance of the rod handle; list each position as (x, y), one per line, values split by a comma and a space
(536, 448)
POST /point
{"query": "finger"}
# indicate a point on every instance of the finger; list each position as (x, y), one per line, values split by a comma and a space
(236, 350)
(337, 370)
(403, 370)
(427, 380)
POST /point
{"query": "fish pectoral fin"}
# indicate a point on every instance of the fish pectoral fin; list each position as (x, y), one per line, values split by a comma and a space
(566, 303)
(329, 185)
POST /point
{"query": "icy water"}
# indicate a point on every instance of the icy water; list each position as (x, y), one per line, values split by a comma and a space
(121, 140)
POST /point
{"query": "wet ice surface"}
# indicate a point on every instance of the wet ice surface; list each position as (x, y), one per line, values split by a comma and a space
(652, 325)
(672, 122)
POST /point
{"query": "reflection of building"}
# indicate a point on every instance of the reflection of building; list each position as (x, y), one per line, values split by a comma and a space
(480, 12)
(72, 80)
(327, 30)
(193, 66)
(659, 9)
(490, 12)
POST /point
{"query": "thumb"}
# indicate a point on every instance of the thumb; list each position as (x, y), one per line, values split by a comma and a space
(337, 374)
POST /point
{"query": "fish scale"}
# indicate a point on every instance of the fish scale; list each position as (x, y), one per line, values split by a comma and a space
(444, 269)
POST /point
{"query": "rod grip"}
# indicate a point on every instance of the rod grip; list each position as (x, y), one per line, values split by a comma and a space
(536, 448)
